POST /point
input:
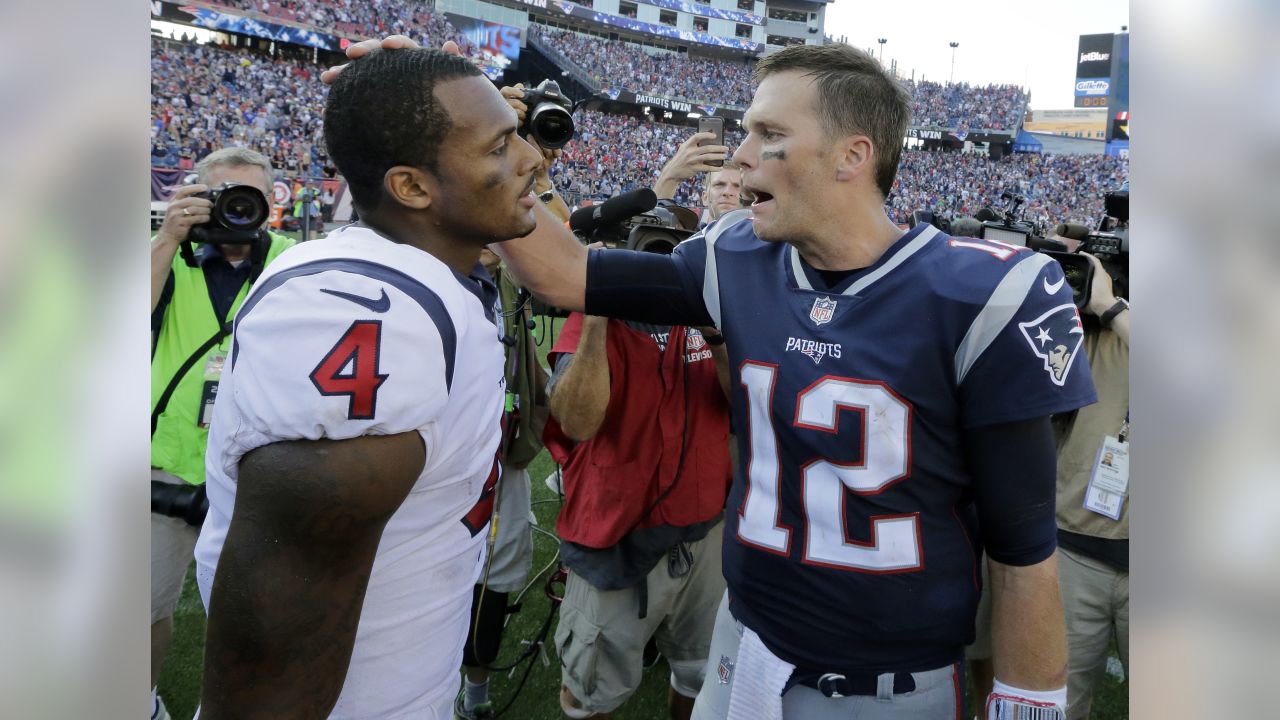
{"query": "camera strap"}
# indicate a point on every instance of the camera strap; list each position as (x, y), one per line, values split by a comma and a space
(163, 402)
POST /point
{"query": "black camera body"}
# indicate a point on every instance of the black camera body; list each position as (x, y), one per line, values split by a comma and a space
(238, 213)
(548, 120)
(659, 230)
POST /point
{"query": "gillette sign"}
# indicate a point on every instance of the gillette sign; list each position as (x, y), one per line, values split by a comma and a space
(1095, 87)
(1093, 69)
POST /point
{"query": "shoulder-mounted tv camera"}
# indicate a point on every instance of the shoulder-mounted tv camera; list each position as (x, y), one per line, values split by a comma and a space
(1109, 243)
(631, 221)
(1002, 222)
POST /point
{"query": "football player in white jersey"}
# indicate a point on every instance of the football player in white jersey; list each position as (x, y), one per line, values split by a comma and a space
(351, 455)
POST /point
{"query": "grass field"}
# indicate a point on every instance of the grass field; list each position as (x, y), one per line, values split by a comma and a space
(538, 699)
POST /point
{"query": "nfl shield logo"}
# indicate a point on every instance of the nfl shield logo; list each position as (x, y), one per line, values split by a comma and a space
(823, 309)
(725, 670)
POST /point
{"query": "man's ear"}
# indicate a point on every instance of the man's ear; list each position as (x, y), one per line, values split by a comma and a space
(854, 155)
(409, 186)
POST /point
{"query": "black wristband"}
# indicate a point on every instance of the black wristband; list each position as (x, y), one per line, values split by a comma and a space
(1111, 313)
(716, 339)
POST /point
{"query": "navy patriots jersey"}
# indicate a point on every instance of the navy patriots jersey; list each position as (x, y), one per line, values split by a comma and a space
(850, 539)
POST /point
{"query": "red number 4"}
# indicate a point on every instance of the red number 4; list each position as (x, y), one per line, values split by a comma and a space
(357, 354)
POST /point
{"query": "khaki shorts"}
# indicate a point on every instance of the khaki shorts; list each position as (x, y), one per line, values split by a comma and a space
(173, 544)
(601, 637)
(1095, 597)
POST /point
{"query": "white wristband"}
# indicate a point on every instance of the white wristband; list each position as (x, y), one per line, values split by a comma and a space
(1056, 699)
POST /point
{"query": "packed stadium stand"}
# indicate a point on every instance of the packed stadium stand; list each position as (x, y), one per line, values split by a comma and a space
(205, 97)
(965, 107)
(650, 71)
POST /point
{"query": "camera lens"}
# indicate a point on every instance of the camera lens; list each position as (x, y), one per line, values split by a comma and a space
(551, 125)
(242, 208)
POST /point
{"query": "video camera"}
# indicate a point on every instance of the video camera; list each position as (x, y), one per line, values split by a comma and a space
(634, 221)
(1003, 223)
(1109, 243)
(548, 120)
(631, 221)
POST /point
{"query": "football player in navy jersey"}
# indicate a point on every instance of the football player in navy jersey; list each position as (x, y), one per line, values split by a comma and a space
(891, 398)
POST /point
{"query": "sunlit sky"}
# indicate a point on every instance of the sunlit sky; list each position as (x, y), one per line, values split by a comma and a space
(1030, 43)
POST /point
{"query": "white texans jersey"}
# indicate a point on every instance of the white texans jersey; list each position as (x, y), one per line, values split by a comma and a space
(357, 335)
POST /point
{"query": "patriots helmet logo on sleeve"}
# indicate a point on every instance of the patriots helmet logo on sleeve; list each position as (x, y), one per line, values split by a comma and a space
(1055, 337)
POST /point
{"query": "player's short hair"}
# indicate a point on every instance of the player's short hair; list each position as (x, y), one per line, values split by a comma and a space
(232, 157)
(382, 112)
(855, 97)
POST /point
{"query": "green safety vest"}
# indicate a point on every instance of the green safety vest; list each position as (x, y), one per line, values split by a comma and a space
(178, 445)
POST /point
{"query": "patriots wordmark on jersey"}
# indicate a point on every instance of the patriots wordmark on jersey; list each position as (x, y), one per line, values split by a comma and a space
(850, 534)
(357, 335)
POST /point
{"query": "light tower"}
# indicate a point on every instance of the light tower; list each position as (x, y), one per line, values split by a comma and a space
(953, 45)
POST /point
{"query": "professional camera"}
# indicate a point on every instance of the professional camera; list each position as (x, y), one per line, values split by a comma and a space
(1109, 243)
(1004, 223)
(185, 502)
(238, 212)
(634, 220)
(548, 120)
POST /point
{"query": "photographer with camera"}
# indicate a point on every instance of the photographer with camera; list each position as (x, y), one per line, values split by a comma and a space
(640, 426)
(1092, 500)
(194, 295)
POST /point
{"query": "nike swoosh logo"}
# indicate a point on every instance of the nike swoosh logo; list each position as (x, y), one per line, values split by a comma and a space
(379, 305)
(1055, 287)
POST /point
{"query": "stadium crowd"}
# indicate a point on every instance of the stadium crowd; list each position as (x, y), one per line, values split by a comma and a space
(611, 154)
(205, 97)
(361, 19)
(657, 73)
(964, 106)
(1058, 188)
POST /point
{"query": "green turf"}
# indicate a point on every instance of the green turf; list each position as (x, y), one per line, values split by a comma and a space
(538, 700)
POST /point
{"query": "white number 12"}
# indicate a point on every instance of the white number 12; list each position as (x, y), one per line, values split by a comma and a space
(825, 484)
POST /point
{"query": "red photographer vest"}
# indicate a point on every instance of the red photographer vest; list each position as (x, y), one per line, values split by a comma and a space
(661, 456)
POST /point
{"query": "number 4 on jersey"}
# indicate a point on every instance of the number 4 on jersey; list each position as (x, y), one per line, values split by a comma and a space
(351, 368)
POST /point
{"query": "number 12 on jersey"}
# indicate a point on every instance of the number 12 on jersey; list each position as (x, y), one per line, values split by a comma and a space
(825, 485)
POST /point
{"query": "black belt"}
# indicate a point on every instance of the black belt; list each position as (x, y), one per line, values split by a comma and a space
(835, 685)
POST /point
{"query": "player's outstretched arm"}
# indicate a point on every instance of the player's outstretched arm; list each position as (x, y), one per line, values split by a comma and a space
(550, 262)
(292, 576)
(1028, 632)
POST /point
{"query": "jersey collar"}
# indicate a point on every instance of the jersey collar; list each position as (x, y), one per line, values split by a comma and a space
(906, 246)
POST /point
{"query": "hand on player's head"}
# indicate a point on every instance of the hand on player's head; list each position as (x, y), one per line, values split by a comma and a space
(390, 42)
